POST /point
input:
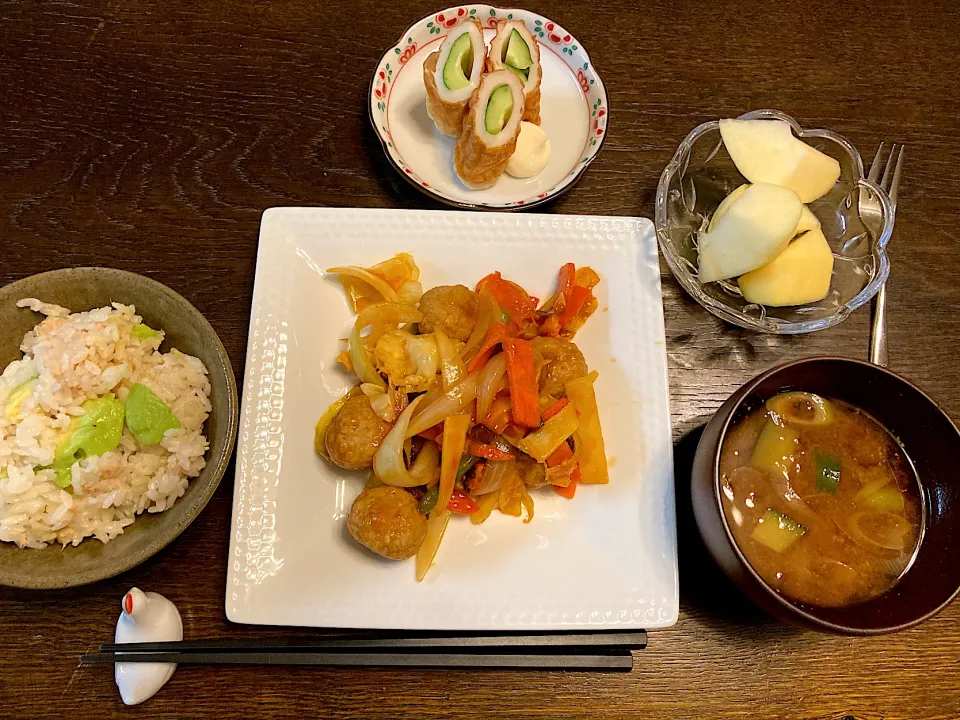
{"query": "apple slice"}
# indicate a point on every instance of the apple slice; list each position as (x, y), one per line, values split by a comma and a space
(799, 275)
(755, 229)
(767, 151)
(808, 221)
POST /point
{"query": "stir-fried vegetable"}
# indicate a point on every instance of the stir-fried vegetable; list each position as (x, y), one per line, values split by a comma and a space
(486, 504)
(374, 281)
(552, 409)
(436, 527)
(777, 531)
(492, 381)
(497, 333)
(522, 379)
(388, 463)
(490, 452)
(378, 318)
(462, 504)
(454, 441)
(467, 461)
(429, 501)
(427, 464)
(542, 443)
(591, 451)
(511, 298)
(446, 405)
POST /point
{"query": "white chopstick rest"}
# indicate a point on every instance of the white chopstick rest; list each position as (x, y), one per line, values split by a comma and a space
(146, 617)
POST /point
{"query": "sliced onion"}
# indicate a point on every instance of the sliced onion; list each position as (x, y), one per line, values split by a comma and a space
(436, 526)
(497, 471)
(377, 283)
(560, 475)
(452, 368)
(427, 464)
(487, 314)
(492, 381)
(379, 318)
(388, 463)
(381, 401)
(891, 537)
(446, 405)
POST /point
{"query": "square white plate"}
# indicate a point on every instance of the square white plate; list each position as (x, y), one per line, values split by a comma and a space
(607, 558)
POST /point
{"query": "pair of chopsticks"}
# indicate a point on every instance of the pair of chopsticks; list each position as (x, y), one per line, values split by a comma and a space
(567, 651)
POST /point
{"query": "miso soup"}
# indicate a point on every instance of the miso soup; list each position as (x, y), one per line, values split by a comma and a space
(821, 499)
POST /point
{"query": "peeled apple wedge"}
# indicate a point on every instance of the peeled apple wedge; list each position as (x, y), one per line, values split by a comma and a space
(808, 221)
(767, 151)
(755, 229)
(800, 274)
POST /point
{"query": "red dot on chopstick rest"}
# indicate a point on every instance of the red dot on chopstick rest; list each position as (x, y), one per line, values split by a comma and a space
(128, 603)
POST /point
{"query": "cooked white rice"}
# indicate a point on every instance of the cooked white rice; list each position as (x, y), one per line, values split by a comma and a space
(76, 357)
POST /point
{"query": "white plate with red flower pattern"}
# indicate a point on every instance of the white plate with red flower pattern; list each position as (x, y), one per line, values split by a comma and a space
(573, 108)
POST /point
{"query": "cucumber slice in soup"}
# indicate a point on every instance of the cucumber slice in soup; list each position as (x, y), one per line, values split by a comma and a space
(499, 108)
(459, 63)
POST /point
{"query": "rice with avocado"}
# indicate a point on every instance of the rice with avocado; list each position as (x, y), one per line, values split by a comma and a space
(96, 426)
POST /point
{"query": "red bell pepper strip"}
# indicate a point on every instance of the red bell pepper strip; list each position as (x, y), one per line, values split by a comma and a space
(482, 450)
(552, 409)
(495, 335)
(462, 503)
(522, 381)
(509, 297)
(571, 489)
(578, 298)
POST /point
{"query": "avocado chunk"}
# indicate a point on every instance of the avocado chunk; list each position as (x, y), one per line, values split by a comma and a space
(459, 63)
(148, 417)
(499, 108)
(517, 55)
(144, 332)
(16, 397)
(95, 432)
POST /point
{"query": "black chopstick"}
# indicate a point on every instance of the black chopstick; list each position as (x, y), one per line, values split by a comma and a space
(609, 659)
(571, 642)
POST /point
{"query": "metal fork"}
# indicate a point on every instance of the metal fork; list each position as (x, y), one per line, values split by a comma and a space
(878, 333)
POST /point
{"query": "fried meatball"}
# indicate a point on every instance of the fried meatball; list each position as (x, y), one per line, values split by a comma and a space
(385, 519)
(564, 362)
(355, 434)
(451, 308)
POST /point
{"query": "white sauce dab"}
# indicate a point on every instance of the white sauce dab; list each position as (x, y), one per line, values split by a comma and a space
(532, 153)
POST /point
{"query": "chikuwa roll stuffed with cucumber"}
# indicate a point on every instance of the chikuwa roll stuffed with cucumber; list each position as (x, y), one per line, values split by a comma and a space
(490, 129)
(515, 49)
(452, 73)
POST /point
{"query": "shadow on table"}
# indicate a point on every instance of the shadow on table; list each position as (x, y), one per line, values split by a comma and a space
(704, 589)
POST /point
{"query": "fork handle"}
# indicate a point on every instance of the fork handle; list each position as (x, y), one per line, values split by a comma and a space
(878, 333)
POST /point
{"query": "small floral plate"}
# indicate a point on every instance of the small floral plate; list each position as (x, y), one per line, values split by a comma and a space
(573, 109)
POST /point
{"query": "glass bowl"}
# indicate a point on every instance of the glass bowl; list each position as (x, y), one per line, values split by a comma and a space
(856, 218)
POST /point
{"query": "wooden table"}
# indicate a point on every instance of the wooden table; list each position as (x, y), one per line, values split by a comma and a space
(151, 135)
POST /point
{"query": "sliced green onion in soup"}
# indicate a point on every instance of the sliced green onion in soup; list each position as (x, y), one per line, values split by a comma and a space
(776, 531)
(801, 408)
(828, 473)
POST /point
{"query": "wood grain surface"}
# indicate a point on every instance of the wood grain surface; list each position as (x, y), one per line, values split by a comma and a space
(150, 136)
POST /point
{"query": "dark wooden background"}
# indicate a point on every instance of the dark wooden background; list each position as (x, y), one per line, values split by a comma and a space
(151, 135)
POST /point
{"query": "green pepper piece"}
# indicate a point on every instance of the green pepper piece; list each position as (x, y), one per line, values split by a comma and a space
(429, 501)
(828, 474)
(466, 462)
